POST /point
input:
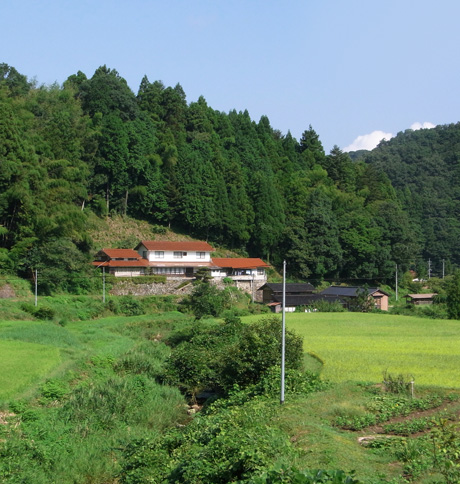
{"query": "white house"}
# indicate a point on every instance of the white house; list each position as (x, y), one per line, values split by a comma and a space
(175, 259)
(181, 259)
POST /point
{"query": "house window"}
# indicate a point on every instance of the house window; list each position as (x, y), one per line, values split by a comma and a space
(179, 255)
(144, 254)
(168, 270)
(200, 255)
(159, 254)
(260, 272)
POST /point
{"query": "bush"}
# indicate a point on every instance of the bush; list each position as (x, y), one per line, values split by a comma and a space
(54, 390)
(126, 305)
(39, 312)
(45, 312)
(329, 307)
(220, 356)
(399, 384)
(206, 300)
(257, 350)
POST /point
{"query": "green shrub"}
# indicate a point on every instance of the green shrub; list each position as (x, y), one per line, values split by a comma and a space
(329, 307)
(206, 300)
(159, 229)
(221, 355)
(398, 384)
(54, 390)
(126, 305)
(45, 313)
(39, 312)
(285, 474)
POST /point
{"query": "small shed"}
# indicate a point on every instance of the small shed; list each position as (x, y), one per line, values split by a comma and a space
(307, 301)
(420, 299)
(274, 291)
(379, 297)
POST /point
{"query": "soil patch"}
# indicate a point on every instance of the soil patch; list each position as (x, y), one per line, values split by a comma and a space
(6, 292)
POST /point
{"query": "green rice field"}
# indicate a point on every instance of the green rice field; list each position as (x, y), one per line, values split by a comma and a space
(360, 347)
(22, 363)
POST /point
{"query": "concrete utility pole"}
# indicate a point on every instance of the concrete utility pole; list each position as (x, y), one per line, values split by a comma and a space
(443, 267)
(36, 287)
(283, 334)
(429, 268)
(396, 282)
(103, 284)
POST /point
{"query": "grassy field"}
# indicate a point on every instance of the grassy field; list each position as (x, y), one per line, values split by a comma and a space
(22, 364)
(360, 347)
(118, 359)
(32, 351)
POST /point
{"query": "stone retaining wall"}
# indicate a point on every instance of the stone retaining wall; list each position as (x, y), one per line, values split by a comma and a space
(174, 287)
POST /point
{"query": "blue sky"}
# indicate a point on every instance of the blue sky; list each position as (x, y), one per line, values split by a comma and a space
(349, 68)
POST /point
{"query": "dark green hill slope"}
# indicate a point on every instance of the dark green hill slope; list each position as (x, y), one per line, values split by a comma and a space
(424, 169)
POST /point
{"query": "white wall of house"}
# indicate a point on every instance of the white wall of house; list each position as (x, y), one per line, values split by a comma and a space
(241, 274)
(174, 256)
(127, 271)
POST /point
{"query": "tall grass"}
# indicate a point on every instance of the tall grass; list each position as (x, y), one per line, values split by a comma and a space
(104, 392)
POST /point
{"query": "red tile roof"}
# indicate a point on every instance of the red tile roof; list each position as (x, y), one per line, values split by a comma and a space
(239, 263)
(122, 263)
(176, 245)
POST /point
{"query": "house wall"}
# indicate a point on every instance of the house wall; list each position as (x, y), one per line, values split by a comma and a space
(422, 302)
(381, 302)
(127, 271)
(168, 255)
(240, 274)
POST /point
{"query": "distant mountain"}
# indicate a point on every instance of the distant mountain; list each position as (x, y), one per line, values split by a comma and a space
(424, 168)
(358, 155)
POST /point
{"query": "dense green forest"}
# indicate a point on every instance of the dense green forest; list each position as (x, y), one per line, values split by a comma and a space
(93, 148)
(424, 169)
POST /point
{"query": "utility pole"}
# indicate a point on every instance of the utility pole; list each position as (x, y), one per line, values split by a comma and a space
(103, 284)
(396, 282)
(443, 267)
(429, 268)
(283, 333)
(36, 288)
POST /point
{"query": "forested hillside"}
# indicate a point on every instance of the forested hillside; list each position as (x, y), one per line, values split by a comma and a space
(424, 168)
(92, 148)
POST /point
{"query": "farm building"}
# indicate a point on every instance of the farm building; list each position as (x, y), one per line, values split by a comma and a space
(274, 291)
(420, 299)
(350, 293)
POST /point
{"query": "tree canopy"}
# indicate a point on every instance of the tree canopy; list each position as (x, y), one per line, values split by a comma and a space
(93, 147)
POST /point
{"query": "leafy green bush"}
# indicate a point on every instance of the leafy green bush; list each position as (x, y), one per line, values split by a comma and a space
(206, 300)
(126, 305)
(284, 474)
(159, 229)
(227, 444)
(218, 356)
(39, 312)
(45, 312)
(54, 390)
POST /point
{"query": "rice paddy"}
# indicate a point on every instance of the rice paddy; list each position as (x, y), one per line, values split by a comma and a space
(360, 347)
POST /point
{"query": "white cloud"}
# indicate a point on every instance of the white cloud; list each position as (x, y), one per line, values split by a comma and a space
(425, 125)
(368, 141)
